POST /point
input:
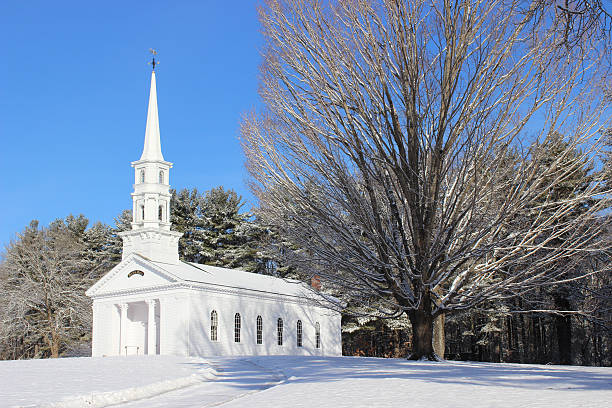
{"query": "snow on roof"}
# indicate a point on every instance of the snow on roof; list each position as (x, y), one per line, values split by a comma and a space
(214, 275)
(193, 273)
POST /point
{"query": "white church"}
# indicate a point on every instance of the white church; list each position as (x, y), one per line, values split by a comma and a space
(153, 303)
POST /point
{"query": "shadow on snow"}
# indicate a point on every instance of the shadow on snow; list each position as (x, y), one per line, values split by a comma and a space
(258, 371)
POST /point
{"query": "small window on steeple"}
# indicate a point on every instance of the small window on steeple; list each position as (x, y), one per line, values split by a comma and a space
(142, 176)
(159, 213)
(142, 212)
(161, 177)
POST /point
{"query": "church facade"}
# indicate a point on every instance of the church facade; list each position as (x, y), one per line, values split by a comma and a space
(153, 303)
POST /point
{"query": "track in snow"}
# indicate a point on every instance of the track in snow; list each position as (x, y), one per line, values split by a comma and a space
(238, 377)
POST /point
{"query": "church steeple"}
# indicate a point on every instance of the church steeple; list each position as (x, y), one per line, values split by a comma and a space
(152, 144)
(150, 235)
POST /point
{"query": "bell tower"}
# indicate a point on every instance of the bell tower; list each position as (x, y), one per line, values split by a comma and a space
(150, 235)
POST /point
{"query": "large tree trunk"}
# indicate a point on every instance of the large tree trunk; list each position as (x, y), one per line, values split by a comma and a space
(53, 339)
(55, 349)
(439, 337)
(422, 332)
(563, 325)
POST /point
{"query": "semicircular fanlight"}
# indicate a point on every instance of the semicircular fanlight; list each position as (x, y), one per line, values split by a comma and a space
(136, 272)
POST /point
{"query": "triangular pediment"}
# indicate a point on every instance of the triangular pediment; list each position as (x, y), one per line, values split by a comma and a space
(133, 273)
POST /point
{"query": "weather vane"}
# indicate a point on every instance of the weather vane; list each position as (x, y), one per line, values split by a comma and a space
(153, 62)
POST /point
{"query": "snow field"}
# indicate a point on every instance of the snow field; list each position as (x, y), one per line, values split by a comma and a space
(96, 382)
(353, 382)
(297, 381)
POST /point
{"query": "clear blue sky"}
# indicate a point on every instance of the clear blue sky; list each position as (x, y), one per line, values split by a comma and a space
(74, 84)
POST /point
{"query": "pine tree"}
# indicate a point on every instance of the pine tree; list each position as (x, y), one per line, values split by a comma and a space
(100, 249)
(225, 233)
(545, 336)
(186, 217)
(215, 231)
(114, 246)
(561, 294)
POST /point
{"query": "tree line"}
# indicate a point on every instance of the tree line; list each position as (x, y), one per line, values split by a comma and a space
(45, 271)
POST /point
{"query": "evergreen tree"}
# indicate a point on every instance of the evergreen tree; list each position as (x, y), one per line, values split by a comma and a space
(215, 231)
(563, 311)
(275, 254)
(561, 294)
(100, 249)
(186, 217)
(225, 232)
(114, 245)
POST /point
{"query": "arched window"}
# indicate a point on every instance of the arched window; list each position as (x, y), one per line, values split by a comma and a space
(299, 333)
(317, 335)
(279, 331)
(160, 212)
(237, 328)
(161, 177)
(142, 212)
(214, 324)
(142, 176)
(259, 330)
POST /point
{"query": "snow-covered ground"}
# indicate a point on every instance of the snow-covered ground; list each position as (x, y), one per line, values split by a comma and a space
(369, 382)
(83, 381)
(289, 381)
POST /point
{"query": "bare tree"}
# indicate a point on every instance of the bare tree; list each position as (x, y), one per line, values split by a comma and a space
(578, 20)
(44, 274)
(399, 147)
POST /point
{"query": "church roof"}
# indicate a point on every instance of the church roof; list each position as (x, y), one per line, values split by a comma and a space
(162, 275)
(214, 275)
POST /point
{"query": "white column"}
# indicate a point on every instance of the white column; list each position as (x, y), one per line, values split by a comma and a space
(95, 330)
(123, 333)
(165, 343)
(152, 329)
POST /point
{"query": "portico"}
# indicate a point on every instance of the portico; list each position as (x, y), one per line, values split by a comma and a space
(139, 327)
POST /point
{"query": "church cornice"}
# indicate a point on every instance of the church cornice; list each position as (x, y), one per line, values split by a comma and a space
(151, 233)
(206, 287)
(146, 161)
(203, 287)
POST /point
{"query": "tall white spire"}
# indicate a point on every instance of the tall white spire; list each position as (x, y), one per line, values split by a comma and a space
(150, 235)
(152, 144)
